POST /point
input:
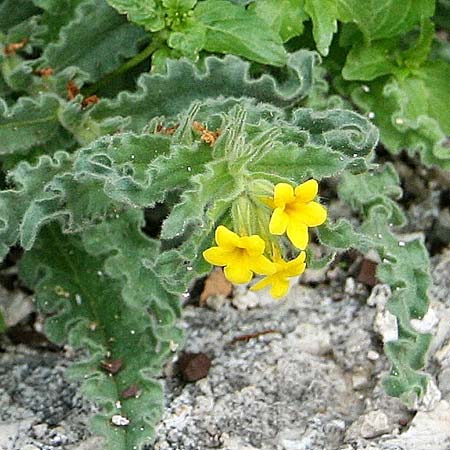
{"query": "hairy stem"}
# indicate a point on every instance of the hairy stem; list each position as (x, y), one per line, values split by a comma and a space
(137, 59)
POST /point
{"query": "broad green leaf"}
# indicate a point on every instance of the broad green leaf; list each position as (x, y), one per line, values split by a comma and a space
(28, 123)
(323, 14)
(412, 112)
(236, 30)
(366, 62)
(93, 310)
(285, 17)
(170, 93)
(57, 14)
(381, 19)
(97, 41)
(13, 12)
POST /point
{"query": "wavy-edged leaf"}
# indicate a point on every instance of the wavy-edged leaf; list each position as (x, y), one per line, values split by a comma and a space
(13, 12)
(404, 266)
(57, 14)
(412, 112)
(94, 311)
(28, 123)
(170, 93)
(96, 41)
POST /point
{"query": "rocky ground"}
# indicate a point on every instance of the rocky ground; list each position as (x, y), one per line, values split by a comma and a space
(300, 374)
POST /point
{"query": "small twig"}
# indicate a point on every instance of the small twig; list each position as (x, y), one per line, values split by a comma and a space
(247, 337)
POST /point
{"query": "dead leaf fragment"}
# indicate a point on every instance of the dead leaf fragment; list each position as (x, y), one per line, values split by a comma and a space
(12, 48)
(72, 90)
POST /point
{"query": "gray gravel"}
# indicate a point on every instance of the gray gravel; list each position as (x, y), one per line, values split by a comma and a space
(314, 383)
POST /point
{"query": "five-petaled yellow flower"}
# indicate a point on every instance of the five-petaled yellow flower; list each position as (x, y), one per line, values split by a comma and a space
(280, 279)
(241, 255)
(295, 211)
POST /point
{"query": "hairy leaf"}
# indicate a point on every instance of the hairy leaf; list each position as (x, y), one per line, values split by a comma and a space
(168, 94)
(28, 123)
(404, 266)
(233, 29)
(412, 112)
(97, 40)
(94, 310)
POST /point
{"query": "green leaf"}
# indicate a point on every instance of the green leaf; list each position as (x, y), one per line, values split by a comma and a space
(31, 183)
(340, 235)
(97, 41)
(323, 14)
(404, 266)
(233, 29)
(149, 14)
(13, 12)
(380, 188)
(369, 61)
(188, 39)
(412, 112)
(28, 123)
(94, 310)
(2, 323)
(285, 17)
(381, 19)
(227, 77)
(57, 14)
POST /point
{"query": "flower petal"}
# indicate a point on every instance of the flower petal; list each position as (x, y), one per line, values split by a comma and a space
(298, 234)
(296, 266)
(280, 287)
(217, 256)
(253, 244)
(261, 284)
(278, 222)
(262, 265)
(283, 193)
(238, 274)
(311, 214)
(306, 191)
(225, 238)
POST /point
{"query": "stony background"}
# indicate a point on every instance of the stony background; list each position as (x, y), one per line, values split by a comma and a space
(311, 382)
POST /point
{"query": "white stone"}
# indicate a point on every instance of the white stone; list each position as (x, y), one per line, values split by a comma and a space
(431, 398)
(429, 430)
(119, 420)
(370, 425)
(427, 324)
(380, 295)
(246, 300)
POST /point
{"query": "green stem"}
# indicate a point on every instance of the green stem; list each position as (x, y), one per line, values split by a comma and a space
(137, 59)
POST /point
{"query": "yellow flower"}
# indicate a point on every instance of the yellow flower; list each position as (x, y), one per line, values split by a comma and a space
(294, 211)
(280, 279)
(241, 256)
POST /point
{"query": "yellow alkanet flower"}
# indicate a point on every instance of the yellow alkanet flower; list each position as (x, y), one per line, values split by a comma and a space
(280, 279)
(295, 211)
(240, 255)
